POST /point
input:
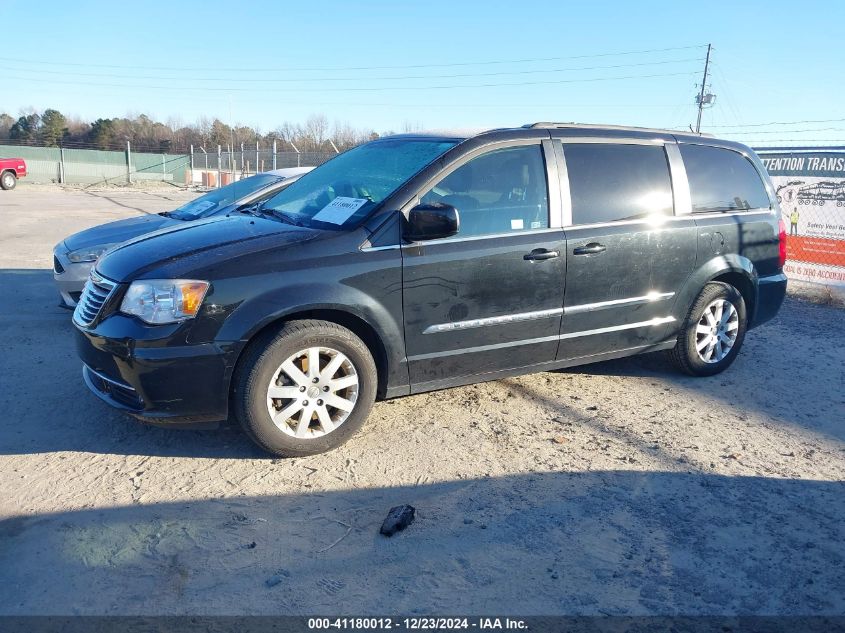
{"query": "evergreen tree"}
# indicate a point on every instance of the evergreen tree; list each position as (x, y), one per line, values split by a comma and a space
(25, 128)
(53, 128)
(102, 133)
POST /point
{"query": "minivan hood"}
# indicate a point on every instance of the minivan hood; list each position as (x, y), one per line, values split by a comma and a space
(190, 246)
(119, 231)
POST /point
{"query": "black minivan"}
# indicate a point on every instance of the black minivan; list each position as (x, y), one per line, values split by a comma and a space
(418, 262)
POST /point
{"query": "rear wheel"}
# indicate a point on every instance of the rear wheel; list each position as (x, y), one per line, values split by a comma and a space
(306, 390)
(8, 180)
(713, 332)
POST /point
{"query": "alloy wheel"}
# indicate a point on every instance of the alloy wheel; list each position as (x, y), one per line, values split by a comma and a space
(716, 331)
(313, 392)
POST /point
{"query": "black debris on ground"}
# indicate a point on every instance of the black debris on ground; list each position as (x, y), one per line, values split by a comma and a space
(398, 519)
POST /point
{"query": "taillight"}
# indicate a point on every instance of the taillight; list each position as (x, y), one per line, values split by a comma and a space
(781, 243)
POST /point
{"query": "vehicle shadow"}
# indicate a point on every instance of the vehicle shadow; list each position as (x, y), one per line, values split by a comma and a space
(787, 370)
(606, 542)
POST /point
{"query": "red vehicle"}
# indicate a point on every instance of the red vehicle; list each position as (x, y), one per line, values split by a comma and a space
(10, 170)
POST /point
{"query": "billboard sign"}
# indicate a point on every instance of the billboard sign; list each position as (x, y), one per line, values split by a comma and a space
(810, 186)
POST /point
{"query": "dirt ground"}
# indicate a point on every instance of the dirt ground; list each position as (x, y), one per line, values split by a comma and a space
(617, 488)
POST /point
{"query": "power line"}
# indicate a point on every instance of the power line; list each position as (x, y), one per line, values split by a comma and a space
(818, 129)
(796, 140)
(728, 93)
(451, 104)
(781, 123)
(334, 68)
(351, 89)
(394, 78)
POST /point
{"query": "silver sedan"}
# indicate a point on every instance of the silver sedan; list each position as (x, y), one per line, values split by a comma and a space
(75, 256)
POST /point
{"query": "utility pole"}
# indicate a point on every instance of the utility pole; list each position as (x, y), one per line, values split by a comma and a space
(703, 88)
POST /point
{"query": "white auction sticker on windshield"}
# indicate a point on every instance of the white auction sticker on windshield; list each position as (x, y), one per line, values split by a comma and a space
(339, 210)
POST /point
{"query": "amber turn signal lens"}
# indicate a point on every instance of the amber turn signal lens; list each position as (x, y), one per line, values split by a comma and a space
(193, 293)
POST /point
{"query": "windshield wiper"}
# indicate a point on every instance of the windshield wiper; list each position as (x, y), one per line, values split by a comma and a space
(253, 209)
(259, 211)
(284, 217)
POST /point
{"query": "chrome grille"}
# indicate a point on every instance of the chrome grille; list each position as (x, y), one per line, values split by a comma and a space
(97, 289)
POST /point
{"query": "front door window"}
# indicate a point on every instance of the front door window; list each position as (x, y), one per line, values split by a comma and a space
(501, 191)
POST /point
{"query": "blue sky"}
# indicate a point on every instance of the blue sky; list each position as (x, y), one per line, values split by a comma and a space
(433, 64)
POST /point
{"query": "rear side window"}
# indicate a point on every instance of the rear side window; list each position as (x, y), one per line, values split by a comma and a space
(611, 182)
(722, 180)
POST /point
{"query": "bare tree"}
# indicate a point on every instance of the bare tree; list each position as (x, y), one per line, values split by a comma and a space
(409, 127)
(316, 131)
(147, 134)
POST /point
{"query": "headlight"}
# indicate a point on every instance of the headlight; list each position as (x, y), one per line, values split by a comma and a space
(159, 301)
(89, 254)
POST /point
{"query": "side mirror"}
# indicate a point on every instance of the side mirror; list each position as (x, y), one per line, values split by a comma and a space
(432, 221)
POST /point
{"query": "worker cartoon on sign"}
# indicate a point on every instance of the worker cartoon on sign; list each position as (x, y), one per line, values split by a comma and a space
(788, 197)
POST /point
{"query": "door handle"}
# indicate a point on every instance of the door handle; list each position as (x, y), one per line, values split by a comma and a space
(539, 254)
(590, 249)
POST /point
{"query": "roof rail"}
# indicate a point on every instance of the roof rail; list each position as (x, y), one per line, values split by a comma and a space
(624, 128)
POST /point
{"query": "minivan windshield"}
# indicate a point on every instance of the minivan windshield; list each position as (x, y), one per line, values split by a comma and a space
(214, 201)
(343, 191)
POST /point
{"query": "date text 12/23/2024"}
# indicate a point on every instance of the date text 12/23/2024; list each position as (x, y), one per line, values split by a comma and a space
(417, 623)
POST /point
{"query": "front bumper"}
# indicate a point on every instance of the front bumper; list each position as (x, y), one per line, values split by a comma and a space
(154, 379)
(771, 292)
(69, 277)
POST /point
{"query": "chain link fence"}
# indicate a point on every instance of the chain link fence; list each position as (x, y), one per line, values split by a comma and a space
(91, 166)
(251, 161)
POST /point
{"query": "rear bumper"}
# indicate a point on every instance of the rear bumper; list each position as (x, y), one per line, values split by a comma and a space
(770, 295)
(177, 386)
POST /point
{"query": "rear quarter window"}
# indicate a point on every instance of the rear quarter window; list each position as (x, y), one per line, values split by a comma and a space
(722, 180)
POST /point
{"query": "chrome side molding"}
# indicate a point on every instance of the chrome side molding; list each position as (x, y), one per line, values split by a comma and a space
(602, 305)
(617, 328)
(542, 314)
(497, 320)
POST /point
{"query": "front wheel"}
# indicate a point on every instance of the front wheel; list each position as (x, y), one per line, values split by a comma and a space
(713, 331)
(306, 390)
(8, 180)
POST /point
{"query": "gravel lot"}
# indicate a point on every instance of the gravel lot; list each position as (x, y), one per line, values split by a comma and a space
(621, 487)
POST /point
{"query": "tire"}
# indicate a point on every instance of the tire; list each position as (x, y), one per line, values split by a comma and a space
(304, 409)
(712, 359)
(8, 180)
